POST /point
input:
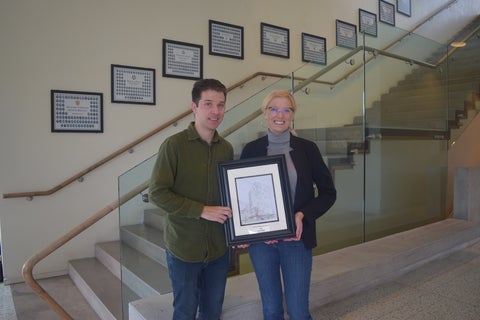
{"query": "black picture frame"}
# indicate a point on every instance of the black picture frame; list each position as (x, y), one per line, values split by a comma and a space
(182, 60)
(346, 34)
(314, 49)
(135, 85)
(258, 192)
(386, 12)
(274, 40)
(367, 22)
(76, 111)
(404, 7)
(226, 39)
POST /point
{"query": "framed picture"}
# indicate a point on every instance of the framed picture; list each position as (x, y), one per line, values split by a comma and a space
(225, 40)
(386, 12)
(258, 192)
(133, 85)
(346, 34)
(275, 41)
(76, 111)
(182, 60)
(314, 49)
(404, 7)
(367, 22)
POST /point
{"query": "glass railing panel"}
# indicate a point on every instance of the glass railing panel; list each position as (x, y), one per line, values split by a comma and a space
(328, 110)
(404, 89)
(133, 212)
(332, 56)
(405, 115)
(250, 88)
(403, 191)
(416, 47)
(445, 25)
(344, 63)
(128, 181)
(387, 35)
(463, 85)
(143, 268)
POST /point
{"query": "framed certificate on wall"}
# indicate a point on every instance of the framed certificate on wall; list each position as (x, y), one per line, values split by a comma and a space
(182, 60)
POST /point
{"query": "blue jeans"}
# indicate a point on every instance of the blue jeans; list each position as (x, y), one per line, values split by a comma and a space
(197, 285)
(295, 263)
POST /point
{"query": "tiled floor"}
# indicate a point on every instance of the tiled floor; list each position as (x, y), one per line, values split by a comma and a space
(446, 289)
(7, 310)
(26, 305)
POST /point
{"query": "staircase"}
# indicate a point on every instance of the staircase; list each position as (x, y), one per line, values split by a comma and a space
(126, 270)
(415, 108)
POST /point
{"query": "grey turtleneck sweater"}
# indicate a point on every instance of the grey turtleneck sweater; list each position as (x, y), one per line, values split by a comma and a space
(280, 144)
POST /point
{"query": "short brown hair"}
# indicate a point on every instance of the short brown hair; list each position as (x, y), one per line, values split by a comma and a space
(207, 84)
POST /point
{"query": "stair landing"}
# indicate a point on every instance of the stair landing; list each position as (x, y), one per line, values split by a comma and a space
(342, 273)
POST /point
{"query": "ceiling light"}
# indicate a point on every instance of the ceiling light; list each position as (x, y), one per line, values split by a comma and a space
(458, 44)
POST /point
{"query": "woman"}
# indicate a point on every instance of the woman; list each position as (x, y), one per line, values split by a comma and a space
(293, 256)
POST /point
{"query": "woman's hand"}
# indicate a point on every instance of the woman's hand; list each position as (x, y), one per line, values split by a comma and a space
(241, 246)
(299, 224)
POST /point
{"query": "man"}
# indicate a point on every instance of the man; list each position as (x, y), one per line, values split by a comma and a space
(184, 184)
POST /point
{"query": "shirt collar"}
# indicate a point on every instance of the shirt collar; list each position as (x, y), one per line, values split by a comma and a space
(193, 134)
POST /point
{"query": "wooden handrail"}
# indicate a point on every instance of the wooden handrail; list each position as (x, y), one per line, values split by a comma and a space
(126, 148)
(28, 266)
(97, 164)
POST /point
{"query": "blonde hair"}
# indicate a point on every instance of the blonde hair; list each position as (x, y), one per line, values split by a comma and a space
(279, 94)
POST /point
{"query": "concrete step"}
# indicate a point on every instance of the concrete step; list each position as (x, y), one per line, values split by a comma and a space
(339, 274)
(146, 239)
(108, 253)
(145, 276)
(154, 218)
(99, 286)
(109, 285)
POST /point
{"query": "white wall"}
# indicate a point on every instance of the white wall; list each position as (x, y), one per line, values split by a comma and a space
(70, 45)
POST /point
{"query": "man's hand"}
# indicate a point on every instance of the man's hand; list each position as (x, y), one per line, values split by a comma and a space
(216, 213)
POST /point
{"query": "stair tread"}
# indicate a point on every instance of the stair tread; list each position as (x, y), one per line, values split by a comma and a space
(112, 248)
(148, 270)
(151, 234)
(101, 282)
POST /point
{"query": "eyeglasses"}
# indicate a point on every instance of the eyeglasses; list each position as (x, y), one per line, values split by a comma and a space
(275, 110)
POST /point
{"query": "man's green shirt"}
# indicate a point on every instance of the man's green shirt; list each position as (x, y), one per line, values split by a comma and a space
(183, 180)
